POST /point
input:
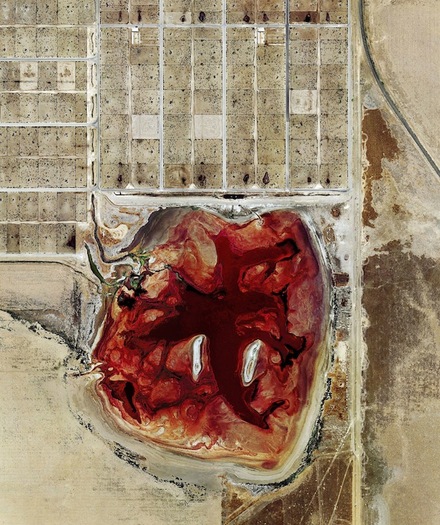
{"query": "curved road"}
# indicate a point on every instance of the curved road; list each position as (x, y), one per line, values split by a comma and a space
(385, 92)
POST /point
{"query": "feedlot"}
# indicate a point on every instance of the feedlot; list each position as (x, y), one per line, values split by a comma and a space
(176, 96)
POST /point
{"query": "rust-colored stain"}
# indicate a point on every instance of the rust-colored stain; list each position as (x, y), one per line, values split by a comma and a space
(336, 211)
(329, 234)
(379, 144)
(336, 405)
(341, 279)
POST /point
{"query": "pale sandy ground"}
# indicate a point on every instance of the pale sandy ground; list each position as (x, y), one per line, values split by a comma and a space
(52, 470)
(405, 45)
(401, 259)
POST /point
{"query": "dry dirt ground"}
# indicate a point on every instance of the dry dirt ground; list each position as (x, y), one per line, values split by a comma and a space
(401, 250)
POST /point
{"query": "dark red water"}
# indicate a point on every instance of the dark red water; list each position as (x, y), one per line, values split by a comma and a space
(215, 316)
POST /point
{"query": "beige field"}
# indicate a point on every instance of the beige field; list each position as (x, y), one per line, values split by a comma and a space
(406, 49)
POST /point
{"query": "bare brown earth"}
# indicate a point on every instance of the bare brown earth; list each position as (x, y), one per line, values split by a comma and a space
(379, 144)
(401, 274)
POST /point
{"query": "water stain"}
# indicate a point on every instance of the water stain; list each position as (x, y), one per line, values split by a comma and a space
(379, 143)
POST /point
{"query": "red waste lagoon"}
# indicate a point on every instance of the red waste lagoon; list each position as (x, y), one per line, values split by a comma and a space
(213, 347)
